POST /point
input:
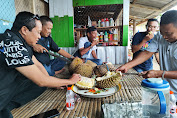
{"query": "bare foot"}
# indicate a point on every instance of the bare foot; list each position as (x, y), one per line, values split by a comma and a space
(60, 71)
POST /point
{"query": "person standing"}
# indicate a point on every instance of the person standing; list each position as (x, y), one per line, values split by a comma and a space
(141, 41)
(165, 42)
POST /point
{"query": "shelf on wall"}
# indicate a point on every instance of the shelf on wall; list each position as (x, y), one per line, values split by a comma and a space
(98, 28)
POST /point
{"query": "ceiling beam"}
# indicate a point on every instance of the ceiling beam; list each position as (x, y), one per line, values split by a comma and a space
(135, 17)
(145, 7)
(174, 2)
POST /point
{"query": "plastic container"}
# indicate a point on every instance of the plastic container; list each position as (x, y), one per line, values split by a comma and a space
(172, 105)
(111, 22)
(115, 35)
(102, 23)
(99, 23)
(101, 37)
(155, 98)
(70, 99)
(106, 37)
(107, 22)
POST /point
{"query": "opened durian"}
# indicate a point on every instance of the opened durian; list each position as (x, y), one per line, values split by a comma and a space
(74, 64)
(110, 79)
(84, 70)
(85, 83)
(101, 70)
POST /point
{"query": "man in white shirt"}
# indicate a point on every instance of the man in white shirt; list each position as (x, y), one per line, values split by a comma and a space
(87, 46)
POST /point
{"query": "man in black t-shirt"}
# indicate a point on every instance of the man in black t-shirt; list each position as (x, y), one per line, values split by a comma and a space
(46, 43)
(22, 76)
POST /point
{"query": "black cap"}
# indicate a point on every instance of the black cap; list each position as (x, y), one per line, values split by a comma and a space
(90, 29)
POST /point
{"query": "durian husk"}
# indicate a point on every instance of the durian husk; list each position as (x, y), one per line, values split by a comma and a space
(100, 70)
(84, 70)
(110, 82)
(74, 64)
(91, 63)
(84, 85)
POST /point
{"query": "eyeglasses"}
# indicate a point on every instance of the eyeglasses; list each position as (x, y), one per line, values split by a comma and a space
(30, 19)
(150, 26)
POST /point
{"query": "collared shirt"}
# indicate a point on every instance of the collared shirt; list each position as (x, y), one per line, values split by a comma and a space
(82, 41)
(49, 44)
(167, 56)
(14, 52)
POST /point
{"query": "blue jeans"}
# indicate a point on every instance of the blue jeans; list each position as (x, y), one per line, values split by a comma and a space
(97, 61)
(55, 65)
(25, 91)
(142, 69)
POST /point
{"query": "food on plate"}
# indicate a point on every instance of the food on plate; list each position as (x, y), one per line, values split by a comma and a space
(110, 79)
(85, 83)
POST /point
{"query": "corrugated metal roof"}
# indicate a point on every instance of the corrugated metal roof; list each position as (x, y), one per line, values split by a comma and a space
(141, 10)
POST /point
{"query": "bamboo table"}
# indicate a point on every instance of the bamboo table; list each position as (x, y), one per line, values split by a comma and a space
(90, 107)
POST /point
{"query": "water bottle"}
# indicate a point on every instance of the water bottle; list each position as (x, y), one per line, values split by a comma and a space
(69, 99)
(172, 105)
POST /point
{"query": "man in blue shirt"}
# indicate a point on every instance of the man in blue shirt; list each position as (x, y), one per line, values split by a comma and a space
(141, 41)
(46, 43)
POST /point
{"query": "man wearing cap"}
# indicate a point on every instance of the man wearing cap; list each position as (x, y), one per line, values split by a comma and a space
(87, 46)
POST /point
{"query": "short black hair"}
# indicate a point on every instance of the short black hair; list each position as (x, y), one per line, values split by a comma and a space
(24, 18)
(90, 29)
(169, 17)
(151, 20)
(45, 19)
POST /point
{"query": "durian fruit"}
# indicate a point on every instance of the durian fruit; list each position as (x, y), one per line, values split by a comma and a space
(84, 70)
(74, 64)
(110, 66)
(91, 63)
(110, 79)
(100, 70)
(85, 83)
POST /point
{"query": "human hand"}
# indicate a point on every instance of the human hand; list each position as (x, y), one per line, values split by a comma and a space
(152, 74)
(95, 42)
(39, 48)
(149, 36)
(75, 78)
(123, 69)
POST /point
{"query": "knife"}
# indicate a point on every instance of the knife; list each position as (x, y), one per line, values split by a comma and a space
(140, 74)
(57, 56)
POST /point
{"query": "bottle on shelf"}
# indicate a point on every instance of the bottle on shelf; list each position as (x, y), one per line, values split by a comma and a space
(99, 23)
(115, 35)
(89, 21)
(98, 37)
(106, 37)
(70, 99)
(102, 23)
(107, 22)
(173, 113)
(111, 22)
(101, 36)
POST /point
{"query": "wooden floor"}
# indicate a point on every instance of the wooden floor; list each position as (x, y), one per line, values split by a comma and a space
(90, 107)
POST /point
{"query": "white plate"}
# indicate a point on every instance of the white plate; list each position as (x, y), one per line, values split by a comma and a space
(85, 93)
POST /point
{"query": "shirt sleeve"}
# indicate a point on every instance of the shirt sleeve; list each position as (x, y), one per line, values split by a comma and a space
(81, 43)
(136, 39)
(153, 47)
(15, 54)
(53, 46)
